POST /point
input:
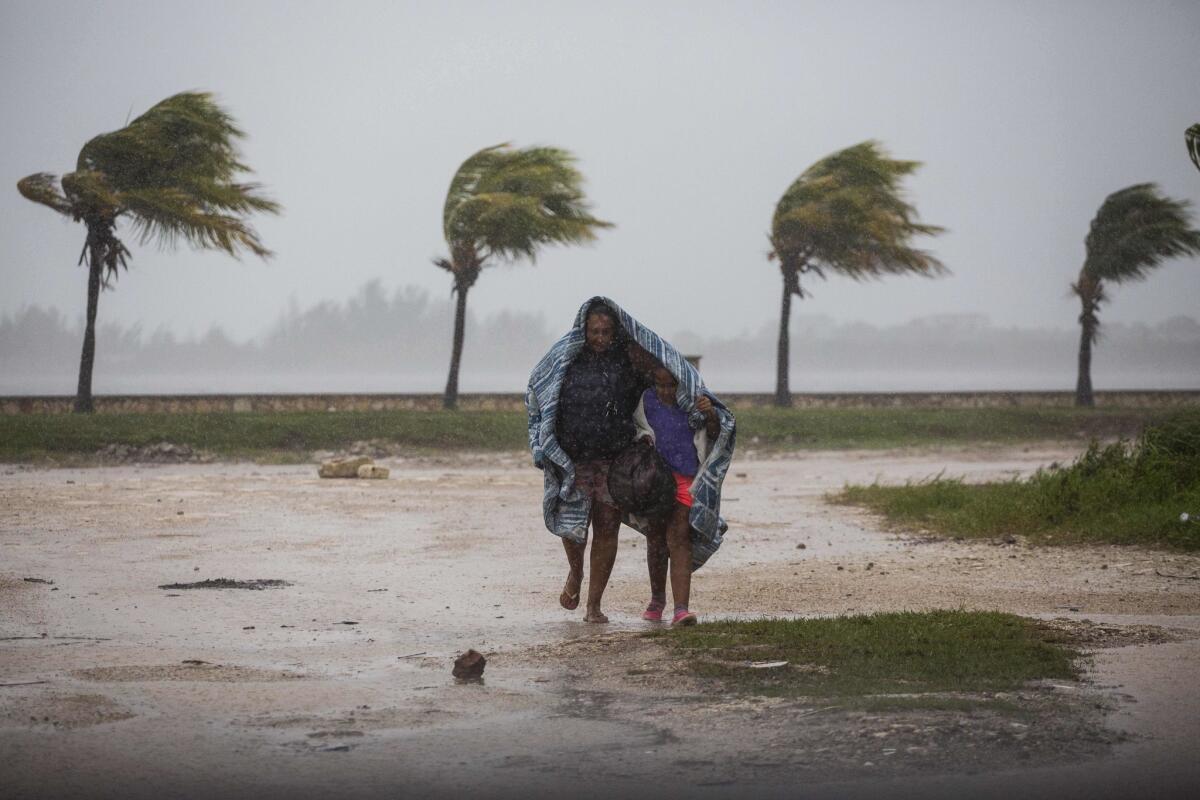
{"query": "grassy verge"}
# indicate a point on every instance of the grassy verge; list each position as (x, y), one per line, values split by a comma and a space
(249, 434)
(1122, 493)
(869, 428)
(286, 436)
(861, 658)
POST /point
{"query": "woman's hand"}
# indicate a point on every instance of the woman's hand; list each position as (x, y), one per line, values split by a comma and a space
(712, 425)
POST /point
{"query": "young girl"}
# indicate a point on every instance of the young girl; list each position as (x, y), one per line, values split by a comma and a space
(670, 540)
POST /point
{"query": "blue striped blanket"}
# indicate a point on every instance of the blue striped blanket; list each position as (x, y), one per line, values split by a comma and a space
(565, 510)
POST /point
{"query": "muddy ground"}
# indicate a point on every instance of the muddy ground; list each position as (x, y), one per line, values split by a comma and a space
(339, 683)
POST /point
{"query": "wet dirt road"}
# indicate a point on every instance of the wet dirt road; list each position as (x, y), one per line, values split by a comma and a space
(292, 699)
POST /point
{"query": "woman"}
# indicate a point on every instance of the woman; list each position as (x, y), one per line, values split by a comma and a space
(595, 422)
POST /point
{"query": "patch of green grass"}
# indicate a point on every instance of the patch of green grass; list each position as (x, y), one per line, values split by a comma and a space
(287, 436)
(28, 436)
(842, 428)
(875, 654)
(1121, 493)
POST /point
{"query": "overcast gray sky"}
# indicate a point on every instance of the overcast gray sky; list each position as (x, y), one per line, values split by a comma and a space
(689, 120)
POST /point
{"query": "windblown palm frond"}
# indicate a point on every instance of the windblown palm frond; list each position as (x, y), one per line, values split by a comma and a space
(507, 203)
(171, 172)
(40, 188)
(464, 183)
(167, 214)
(1135, 230)
(846, 213)
(177, 141)
(1192, 137)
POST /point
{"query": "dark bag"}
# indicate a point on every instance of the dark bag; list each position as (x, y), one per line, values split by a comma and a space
(640, 481)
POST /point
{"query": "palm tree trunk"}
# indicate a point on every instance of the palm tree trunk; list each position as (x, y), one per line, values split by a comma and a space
(783, 396)
(87, 359)
(450, 400)
(1090, 291)
(1083, 384)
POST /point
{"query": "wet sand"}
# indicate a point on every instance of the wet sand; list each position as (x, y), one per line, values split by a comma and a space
(292, 699)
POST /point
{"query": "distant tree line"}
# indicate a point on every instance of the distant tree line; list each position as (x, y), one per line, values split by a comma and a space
(397, 338)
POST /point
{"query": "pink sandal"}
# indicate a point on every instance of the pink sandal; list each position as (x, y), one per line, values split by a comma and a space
(684, 617)
(654, 612)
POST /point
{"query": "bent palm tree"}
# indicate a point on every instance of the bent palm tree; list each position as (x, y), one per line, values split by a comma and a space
(504, 204)
(171, 174)
(1134, 231)
(845, 214)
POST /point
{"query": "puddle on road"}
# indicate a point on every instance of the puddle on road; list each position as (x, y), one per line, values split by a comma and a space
(61, 710)
(184, 672)
(229, 583)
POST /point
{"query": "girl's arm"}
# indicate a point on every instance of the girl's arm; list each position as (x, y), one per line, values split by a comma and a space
(644, 431)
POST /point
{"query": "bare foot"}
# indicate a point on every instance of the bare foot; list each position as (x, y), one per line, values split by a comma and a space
(569, 599)
(595, 615)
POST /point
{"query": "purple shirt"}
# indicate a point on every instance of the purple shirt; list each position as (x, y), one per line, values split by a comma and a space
(673, 437)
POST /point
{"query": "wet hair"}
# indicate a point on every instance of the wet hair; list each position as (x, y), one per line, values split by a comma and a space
(604, 309)
(600, 307)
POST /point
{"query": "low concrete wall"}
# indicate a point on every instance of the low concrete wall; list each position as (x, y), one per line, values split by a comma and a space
(181, 404)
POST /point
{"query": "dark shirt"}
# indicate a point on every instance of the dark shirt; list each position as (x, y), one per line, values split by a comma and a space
(596, 403)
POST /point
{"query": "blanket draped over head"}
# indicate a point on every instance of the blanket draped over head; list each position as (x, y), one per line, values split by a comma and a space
(566, 510)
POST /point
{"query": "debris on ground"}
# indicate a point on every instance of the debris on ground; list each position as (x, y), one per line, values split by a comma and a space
(372, 471)
(343, 467)
(59, 638)
(1157, 572)
(469, 666)
(38, 580)
(339, 734)
(229, 583)
(1091, 635)
(159, 453)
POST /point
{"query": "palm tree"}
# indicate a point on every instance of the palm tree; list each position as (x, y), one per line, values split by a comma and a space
(1134, 231)
(845, 214)
(503, 205)
(170, 173)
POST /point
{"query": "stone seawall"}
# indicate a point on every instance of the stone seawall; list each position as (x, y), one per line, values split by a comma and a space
(190, 404)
